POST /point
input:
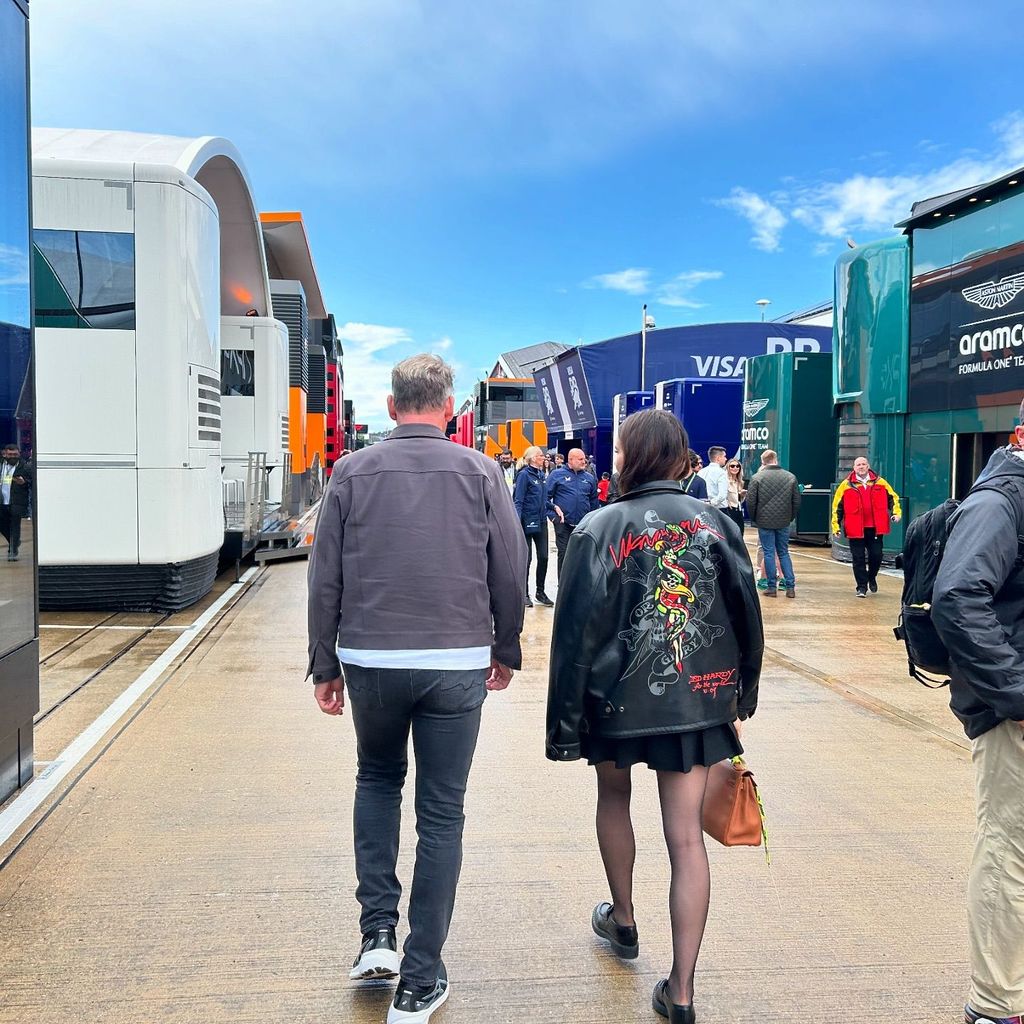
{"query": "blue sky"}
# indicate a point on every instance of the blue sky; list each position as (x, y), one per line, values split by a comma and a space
(479, 177)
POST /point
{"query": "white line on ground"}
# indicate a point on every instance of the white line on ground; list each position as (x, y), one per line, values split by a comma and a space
(18, 811)
(136, 629)
(895, 573)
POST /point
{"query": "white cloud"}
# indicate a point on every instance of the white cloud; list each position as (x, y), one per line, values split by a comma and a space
(373, 337)
(677, 292)
(371, 350)
(875, 202)
(634, 281)
(13, 265)
(765, 218)
(367, 371)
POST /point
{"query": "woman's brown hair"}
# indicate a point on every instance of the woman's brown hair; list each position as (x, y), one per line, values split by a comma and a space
(654, 447)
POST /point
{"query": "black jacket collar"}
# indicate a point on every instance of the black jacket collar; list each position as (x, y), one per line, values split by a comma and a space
(653, 487)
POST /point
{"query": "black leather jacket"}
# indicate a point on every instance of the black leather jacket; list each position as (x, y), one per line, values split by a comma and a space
(658, 625)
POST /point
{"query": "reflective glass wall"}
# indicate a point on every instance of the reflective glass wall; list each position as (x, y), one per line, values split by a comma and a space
(17, 426)
(19, 647)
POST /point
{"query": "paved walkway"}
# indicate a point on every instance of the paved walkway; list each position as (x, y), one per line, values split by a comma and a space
(201, 870)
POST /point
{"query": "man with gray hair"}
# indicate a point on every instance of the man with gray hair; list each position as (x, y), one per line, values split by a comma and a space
(416, 596)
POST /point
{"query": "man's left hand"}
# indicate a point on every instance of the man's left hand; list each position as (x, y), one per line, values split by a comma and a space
(331, 696)
(500, 677)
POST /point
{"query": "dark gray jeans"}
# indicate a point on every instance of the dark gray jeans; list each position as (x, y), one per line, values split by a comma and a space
(442, 708)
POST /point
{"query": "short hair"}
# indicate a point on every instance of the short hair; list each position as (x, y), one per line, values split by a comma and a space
(714, 451)
(531, 451)
(654, 447)
(769, 457)
(422, 383)
(11, 444)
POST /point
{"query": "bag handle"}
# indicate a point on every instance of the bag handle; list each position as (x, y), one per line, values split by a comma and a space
(744, 772)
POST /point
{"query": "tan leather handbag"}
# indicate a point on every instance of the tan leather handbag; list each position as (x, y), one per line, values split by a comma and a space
(733, 813)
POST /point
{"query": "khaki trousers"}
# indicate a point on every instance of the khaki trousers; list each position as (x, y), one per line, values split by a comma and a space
(995, 889)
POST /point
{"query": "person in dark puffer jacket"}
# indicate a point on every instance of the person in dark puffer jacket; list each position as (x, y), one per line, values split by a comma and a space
(978, 611)
(773, 501)
(530, 499)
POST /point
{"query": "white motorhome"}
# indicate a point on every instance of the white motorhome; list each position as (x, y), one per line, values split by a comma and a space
(147, 249)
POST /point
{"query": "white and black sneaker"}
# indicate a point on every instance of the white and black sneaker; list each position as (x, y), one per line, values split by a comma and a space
(378, 956)
(414, 1006)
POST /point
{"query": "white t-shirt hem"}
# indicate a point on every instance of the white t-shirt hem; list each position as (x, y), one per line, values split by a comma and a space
(448, 658)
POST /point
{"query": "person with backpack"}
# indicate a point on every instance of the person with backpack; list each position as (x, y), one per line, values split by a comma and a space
(977, 609)
(863, 506)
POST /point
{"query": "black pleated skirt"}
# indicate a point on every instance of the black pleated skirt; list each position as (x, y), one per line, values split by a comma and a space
(666, 752)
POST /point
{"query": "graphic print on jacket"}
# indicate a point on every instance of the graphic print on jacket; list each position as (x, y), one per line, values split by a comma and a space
(674, 563)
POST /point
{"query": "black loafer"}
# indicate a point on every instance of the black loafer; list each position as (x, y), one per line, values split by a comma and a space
(662, 1004)
(625, 942)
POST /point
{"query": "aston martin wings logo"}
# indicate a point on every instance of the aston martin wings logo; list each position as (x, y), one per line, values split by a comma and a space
(995, 295)
(751, 409)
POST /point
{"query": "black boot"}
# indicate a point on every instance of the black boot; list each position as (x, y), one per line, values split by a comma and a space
(624, 940)
(662, 1003)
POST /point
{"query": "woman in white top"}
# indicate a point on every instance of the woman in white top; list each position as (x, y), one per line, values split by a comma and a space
(737, 492)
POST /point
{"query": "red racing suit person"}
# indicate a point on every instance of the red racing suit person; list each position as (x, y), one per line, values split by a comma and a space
(863, 506)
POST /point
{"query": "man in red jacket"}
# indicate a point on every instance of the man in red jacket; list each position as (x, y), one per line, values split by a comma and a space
(864, 505)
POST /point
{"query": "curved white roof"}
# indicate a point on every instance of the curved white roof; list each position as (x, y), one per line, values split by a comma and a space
(111, 147)
(214, 163)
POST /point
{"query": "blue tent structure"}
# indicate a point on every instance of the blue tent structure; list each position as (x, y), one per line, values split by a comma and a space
(577, 389)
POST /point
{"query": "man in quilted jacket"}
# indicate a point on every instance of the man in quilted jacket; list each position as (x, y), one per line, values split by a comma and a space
(773, 500)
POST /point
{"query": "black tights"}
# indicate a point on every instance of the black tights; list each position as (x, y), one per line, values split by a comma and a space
(682, 799)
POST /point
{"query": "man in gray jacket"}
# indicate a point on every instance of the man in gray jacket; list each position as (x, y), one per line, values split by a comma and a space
(415, 607)
(773, 500)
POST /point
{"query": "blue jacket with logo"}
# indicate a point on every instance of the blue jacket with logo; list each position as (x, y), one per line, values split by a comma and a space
(574, 493)
(530, 495)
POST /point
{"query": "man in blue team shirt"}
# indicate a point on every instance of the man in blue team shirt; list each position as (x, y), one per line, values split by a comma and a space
(572, 493)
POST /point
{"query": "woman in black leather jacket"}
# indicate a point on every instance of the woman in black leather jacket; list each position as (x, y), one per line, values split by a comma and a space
(656, 652)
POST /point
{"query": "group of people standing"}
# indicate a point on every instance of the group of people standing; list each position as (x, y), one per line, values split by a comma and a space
(564, 491)
(655, 660)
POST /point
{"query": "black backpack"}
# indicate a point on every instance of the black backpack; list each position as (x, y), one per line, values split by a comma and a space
(923, 548)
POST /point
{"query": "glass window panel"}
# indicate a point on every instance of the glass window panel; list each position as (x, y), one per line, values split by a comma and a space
(1011, 218)
(87, 279)
(976, 231)
(932, 248)
(237, 373)
(17, 420)
(54, 306)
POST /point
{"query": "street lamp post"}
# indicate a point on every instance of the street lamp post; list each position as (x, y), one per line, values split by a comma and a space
(643, 350)
(648, 321)
(763, 303)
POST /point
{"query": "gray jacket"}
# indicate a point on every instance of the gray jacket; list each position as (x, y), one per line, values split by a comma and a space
(773, 498)
(418, 547)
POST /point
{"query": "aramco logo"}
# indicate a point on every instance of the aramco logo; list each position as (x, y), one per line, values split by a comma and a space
(752, 408)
